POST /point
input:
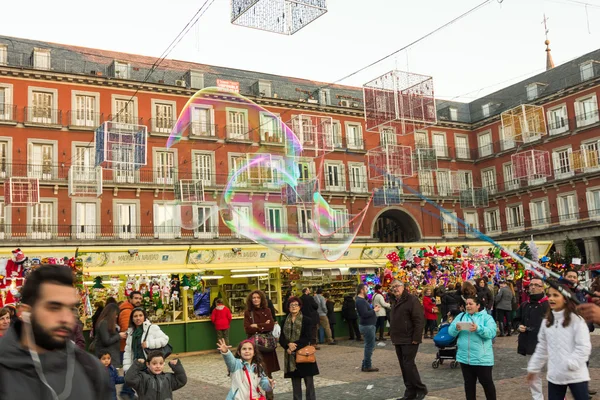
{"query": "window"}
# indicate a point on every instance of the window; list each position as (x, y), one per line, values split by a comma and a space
(325, 97)
(270, 128)
(485, 144)
(201, 121)
(41, 58)
(123, 169)
(510, 182)
(444, 185)
(207, 218)
(334, 178)
(492, 221)
(241, 219)
(40, 159)
(6, 106)
(514, 217)
(165, 167)
(124, 110)
(84, 164)
(85, 225)
(166, 221)
(426, 183)
(462, 147)
(558, 121)
(126, 220)
(264, 88)
(4, 159)
(305, 226)
(562, 163)
(567, 209)
(488, 179)
(236, 163)
(339, 228)
(85, 113)
(358, 178)
(532, 91)
(453, 114)
(590, 156)
(587, 70)
(593, 203)
(41, 110)
(586, 111)
(164, 117)
(121, 70)
(421, 140)
(204, 167)
(336, 132)
(449, 224)
(237, 124)
(465, 180)
(274, 217)
(439, 144)
(539, 213)
(508, 141)
(471, 223)
(196, 79)
(3, 55)
(354, 138)
(41, 219)
(4, 225)
(485, 110)
(306, 170)
(388, 137)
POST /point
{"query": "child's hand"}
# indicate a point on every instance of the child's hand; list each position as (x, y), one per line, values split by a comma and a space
(222, 346)
(173, 362)
(272, 383)
(141, 360)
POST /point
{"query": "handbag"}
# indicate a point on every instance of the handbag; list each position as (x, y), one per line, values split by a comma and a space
(265, 342)
(166, 350)
(306, 355)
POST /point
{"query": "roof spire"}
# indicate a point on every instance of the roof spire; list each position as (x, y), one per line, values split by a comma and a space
(549, 61)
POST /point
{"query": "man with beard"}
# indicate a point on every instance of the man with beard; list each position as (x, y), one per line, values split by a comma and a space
(530, 315)
(39, 360)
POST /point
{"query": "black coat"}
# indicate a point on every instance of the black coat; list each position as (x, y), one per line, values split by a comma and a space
(349, 309)
(304, 369)
(407, 320)
(451, 301)
(531, 314)
(330, 312)
(109, 342)
(310, 307)
(486, 296)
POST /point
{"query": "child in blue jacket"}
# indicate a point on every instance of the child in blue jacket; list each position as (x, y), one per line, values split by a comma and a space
(115, 379)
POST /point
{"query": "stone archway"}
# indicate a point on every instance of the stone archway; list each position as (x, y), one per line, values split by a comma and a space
(395, 225)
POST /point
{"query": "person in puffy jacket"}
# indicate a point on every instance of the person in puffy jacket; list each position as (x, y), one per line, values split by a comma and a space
(142, 336)
(430, 313)
(351, 317)
(149, 380)
(379, 299)
(221, 318)
(504, 300)
(475, 330)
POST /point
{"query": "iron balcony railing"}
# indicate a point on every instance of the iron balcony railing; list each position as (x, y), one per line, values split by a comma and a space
(587, 118)
(238, 132)
(161, 125)
(43, 116)
(84, 119)
(202, 130)
(8, 112)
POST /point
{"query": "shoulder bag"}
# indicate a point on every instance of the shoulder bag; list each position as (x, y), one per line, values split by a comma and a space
(166, 350)
(265, 342)
(306, 355)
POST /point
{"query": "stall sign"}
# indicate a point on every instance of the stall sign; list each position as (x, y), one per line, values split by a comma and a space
(228, 85)
(116, 259)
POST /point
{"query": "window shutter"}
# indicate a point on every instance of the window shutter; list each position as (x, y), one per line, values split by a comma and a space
(556, 161)
(533, 213)
(509, 219)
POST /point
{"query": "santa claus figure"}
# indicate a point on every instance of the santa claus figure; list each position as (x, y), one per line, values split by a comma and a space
(15, 268)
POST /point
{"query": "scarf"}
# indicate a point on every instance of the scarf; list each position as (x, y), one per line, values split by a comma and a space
(136, 343)
(292, 332)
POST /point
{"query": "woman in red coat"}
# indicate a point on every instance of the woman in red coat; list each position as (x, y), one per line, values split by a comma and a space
(430, 312)
(258, 319)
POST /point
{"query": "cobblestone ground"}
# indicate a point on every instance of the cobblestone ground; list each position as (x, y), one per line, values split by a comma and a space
(341, 377)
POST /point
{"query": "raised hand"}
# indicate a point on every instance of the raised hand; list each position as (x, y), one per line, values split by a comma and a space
(173, 362)
(222, 346)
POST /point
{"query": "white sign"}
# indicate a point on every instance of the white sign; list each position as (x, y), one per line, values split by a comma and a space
(576, 261)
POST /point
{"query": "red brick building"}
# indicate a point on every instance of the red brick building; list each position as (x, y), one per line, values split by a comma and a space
(53, 97)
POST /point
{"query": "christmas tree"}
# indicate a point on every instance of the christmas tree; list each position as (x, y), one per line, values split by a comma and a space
(98, 283)
(185, 282)
(571, 251)
(524, 250)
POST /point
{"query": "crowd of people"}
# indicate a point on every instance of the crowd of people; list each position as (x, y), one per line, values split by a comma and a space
(42, 360)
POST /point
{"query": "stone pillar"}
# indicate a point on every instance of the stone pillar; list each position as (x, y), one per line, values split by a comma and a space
(559, 245)
(592, 250)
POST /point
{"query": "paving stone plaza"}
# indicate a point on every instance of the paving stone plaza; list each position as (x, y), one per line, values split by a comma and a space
(341, 377)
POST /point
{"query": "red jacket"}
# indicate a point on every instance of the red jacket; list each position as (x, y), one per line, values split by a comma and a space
(221, 318)
(429, 305)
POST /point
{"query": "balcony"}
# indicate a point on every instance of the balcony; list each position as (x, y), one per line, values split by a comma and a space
(42, 171)
(486, 150)
(200, 130)
(558, 126)
(463, 153)
(82, 119)
(359, 185)
(43, 116)
(161, 125)
(587, 118)
(237, 132)
(268, 136)
(441, 151)
(8, 113)
(357, 144)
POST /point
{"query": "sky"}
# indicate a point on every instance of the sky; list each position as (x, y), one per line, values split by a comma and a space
(499, 44)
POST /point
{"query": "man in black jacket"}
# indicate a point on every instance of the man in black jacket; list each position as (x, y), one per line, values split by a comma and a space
(309, 309)
(39, 360)
(530, 316)
(407, 320)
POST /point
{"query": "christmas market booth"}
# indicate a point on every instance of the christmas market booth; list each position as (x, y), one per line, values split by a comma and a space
(180, 283)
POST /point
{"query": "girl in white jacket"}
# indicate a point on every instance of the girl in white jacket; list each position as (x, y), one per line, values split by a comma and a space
(142, 336)
(564, 343)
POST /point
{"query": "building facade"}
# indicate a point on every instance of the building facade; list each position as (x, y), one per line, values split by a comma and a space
(53, 97)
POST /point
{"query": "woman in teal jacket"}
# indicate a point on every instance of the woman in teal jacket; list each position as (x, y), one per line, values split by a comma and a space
(475, 330)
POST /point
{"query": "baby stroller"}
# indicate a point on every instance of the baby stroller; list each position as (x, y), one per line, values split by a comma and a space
(446, 345)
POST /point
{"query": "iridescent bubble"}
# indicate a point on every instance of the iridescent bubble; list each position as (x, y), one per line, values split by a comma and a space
(243, 206)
